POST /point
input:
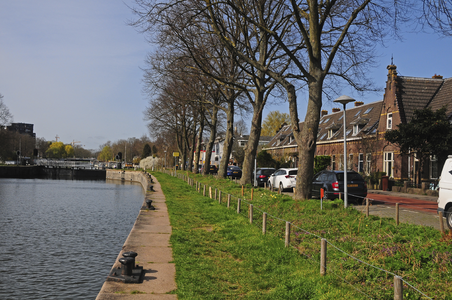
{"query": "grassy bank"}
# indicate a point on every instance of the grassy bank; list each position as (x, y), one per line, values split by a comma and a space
(219, 254)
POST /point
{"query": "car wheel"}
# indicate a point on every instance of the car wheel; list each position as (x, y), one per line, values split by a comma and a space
(281, 187)
(449, 217)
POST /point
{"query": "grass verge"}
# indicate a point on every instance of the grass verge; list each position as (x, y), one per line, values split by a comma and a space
(219, 255)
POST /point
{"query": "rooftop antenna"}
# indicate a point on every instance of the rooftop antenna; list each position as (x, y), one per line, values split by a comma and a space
(392, 59)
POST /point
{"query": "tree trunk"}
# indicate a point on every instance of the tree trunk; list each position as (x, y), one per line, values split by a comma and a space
(213, 135)
(228, 140)
(306, 138)
(198, 145)
(253, 141)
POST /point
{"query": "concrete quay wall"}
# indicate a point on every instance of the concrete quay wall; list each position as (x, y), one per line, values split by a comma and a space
(130, 176)
(150, 239)
(41, 172)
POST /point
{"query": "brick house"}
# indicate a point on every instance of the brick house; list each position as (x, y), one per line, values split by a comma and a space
(367, 150)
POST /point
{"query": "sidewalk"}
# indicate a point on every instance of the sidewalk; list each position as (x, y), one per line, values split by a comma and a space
(407, 214)
(149, 238)
(404, 195)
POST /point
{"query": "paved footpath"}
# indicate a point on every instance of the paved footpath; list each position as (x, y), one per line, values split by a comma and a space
(149, 238)
(413, 209)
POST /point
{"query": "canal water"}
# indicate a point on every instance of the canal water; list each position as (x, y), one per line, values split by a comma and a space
(60, 238)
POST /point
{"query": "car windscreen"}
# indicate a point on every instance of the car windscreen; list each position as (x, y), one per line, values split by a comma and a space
(267, 171)
(350, 177)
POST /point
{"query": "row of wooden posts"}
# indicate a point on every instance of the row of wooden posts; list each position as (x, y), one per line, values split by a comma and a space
(214, 194)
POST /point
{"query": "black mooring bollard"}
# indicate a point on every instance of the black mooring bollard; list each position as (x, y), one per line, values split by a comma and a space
(127, 265)
(149, 203)
(132, 255)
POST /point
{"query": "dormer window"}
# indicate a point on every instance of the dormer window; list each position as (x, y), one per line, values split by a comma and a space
(330, 133)
(389, 121)
(357, 128)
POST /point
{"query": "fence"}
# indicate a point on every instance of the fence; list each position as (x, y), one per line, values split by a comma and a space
(318, 250)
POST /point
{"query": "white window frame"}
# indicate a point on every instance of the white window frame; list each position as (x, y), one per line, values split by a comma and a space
(361, 162)
(333, 162)
(388, 163)
(368, 162)
(389, 121)
(433, 166)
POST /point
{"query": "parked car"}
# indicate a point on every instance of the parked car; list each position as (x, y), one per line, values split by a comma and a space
(284, 178)
(213, 169)
(332, 183)
(234, 172)
(445, 192)
(262, 175)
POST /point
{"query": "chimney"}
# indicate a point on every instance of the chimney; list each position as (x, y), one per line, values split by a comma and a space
(437, 77)
(358, 103)
(324, 113)
(335, 109)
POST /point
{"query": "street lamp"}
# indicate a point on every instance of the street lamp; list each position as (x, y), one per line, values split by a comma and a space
(344, 100)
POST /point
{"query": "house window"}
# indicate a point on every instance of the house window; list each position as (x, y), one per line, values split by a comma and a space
(330, 133)
(368, 162)
(388, 163)
(333, 162)
(389, 121)
(242, 143)
(361, 162)
(433, 167)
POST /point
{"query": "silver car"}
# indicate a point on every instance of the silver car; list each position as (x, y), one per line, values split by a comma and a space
(284, 178)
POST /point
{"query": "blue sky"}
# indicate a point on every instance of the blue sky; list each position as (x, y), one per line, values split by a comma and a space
(72, 68)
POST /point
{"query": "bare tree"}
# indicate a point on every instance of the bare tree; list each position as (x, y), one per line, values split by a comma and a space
(5, 116)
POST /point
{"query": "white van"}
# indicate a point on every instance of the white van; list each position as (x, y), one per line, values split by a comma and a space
(445, 191)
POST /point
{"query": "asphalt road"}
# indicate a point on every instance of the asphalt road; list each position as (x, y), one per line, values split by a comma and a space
(413, 209)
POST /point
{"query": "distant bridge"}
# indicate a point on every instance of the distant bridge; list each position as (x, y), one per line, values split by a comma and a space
(73, 163)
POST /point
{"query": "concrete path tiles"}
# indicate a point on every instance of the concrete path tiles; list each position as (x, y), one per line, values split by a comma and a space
(149, 238)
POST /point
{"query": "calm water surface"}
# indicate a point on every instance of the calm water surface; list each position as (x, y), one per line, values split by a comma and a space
(60, 238)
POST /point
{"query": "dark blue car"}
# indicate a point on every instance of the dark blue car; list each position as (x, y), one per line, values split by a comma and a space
(234, 172)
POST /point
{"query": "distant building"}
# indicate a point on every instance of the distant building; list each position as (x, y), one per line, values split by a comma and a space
(22, 128)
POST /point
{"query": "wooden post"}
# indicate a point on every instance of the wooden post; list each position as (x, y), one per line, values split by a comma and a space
(294, 191)
(323, 247)
(229, 201)
(216, 191)
(265, 185)
(441, 222)
(397, 213)
(251, 213)
(398, 288)
(264, 223)
(243, 191)
(287, 242)
(340, 196)
(219, 196)
(210, 192)
(279, 191)
(238, 205)
(367, 207)
(252, 194)
(204, 191)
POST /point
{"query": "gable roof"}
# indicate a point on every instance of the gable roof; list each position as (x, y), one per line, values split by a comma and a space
(366, 116)
(415, 93)
(443, 97)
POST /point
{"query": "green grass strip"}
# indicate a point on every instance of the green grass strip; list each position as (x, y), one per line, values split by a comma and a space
(219, 255)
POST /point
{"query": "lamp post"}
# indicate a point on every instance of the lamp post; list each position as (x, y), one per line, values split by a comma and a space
(344, 100)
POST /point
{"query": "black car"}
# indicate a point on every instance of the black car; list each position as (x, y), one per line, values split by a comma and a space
(262, 175)
(213, 169)
(333, 183)
(234, 172)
